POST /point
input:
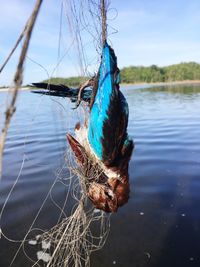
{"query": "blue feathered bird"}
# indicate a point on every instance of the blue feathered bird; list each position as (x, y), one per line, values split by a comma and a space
(103, 140)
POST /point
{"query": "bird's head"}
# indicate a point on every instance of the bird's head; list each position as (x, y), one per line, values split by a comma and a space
(107, 189)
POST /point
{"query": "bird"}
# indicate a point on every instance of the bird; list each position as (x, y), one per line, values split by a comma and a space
(102, 146)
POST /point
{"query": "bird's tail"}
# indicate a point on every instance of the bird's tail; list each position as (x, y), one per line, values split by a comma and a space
(60, 90)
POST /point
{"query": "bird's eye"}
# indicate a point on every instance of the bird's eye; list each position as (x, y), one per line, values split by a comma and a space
(109, 194)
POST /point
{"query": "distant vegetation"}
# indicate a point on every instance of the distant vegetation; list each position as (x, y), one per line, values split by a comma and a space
(71, 81)
(178, 72)
(140, 74)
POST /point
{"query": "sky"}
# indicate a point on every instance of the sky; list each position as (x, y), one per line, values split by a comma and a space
(142, 32)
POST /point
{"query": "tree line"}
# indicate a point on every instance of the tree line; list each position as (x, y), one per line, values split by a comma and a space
(137, 74)
(177, 72)
(71, 81)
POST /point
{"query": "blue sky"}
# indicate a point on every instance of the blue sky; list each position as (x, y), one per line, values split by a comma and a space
(148, 32)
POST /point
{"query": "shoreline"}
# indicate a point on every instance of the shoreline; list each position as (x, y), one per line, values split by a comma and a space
(122, 84)
(162, 83)
(11, 89)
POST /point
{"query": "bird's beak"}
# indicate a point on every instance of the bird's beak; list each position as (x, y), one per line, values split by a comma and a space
(77, 148)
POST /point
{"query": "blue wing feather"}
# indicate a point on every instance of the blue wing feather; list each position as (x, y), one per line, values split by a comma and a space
(109, 113)
(101, 103)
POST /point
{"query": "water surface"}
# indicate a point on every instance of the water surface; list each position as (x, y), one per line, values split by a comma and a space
(160, 225)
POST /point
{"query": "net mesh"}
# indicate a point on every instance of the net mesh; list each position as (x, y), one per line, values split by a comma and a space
(72, 240)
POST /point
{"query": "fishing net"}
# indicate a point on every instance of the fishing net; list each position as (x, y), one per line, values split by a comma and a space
(84, 229)
(77, 236)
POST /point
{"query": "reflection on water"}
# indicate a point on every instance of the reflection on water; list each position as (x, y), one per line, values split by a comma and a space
(160, 226)
(180, 89)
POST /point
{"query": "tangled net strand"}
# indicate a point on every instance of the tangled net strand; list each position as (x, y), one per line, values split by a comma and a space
(75, 237)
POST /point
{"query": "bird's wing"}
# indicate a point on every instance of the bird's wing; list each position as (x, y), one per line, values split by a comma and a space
(107, 128)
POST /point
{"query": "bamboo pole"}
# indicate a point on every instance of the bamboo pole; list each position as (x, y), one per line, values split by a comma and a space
(104, 24)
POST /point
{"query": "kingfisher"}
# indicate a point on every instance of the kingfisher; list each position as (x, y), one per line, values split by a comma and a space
(101, 145)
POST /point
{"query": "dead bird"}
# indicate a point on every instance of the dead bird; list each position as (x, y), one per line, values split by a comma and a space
(101, 146)
(103, 139)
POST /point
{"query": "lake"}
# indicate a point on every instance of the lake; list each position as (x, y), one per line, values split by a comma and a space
(160, 225)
